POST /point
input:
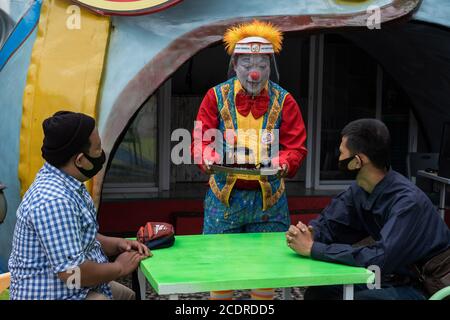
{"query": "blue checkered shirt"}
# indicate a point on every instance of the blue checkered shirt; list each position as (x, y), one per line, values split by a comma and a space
(55, 231)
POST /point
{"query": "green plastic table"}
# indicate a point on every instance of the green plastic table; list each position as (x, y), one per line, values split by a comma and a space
(203, 263)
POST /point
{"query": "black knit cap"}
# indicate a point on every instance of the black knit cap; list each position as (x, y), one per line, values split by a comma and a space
(65, 133)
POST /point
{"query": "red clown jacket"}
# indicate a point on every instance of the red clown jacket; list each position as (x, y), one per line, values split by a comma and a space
(292, 132)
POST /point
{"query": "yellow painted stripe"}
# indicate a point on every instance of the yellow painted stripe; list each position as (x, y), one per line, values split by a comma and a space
(123, 6)
(65, 73)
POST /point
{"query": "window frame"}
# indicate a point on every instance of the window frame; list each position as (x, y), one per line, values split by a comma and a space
(136, 190)
(315, 119)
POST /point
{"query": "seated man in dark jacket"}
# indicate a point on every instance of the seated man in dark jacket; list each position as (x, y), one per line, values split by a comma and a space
(381, 204)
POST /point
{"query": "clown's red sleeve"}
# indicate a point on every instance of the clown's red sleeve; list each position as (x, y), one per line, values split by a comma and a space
(292, 136)
(207, 118)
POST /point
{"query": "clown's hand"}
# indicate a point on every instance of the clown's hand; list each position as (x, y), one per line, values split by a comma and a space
(207, 167)
(283, 171)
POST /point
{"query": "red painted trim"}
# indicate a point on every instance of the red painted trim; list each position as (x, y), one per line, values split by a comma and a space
(117, 217)
(187, 215)
(125, 217)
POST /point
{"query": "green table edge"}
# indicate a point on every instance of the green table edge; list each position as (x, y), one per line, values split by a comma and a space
(177, 288)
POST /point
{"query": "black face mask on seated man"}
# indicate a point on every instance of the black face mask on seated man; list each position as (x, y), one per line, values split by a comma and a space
(97, 165)
(343, 167)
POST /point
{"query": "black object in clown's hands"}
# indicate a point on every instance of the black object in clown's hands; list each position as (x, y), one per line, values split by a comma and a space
(230, 164)
(156, 235)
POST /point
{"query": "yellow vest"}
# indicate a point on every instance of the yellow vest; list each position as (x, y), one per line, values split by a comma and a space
(272, 188)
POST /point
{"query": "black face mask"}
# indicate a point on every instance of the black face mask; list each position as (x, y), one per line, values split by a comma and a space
(343, 167)
(97, 165)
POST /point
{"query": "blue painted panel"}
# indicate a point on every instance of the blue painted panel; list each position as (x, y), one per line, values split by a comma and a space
(434, 11)
(17, 8)
(21, 31)
(12, 85)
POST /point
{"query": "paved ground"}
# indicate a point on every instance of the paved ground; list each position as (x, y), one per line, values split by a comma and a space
(297, 293)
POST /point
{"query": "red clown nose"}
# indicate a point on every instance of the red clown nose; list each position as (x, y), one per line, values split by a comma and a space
(255, 75)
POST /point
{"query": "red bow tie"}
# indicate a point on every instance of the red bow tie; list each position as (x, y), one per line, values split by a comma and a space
(258, 105)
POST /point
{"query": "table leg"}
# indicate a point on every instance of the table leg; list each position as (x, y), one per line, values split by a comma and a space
(442, 201)
(173, 297)
(286, 294)
(348, 292)
(142, 283)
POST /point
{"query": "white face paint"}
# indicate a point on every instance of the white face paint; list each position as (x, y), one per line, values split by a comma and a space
(253, 71)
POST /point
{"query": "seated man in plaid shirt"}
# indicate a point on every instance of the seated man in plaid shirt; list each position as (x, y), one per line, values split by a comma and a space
(57, 251)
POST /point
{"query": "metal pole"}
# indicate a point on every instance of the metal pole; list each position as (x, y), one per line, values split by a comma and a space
(142, 284)
(442, 201)
(348, 292)
(287, 295)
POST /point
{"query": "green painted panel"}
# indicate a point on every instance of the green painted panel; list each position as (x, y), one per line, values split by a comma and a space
(240, 261)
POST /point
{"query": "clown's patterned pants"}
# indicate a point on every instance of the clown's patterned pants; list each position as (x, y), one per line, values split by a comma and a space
(245, 214)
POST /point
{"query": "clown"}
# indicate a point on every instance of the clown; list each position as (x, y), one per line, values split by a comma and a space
(237, 203)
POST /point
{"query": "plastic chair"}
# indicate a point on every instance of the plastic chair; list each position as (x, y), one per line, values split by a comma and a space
(441, 294)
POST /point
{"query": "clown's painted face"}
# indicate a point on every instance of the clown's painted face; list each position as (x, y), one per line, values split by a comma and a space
(253, 71)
